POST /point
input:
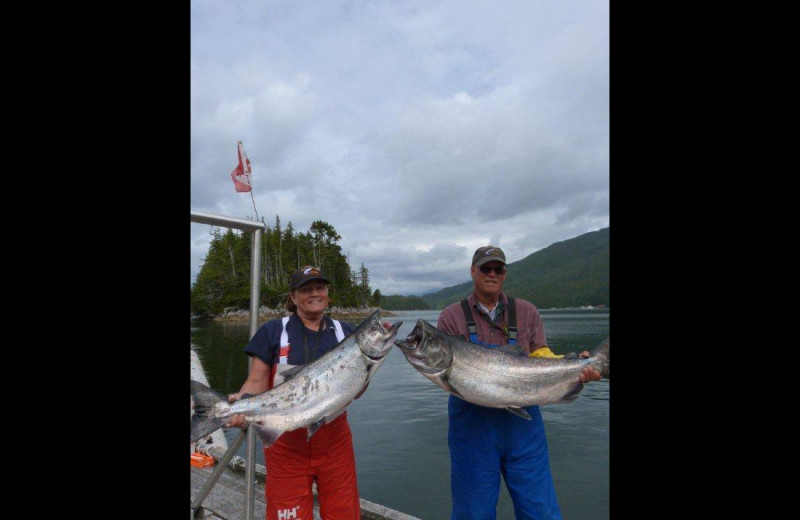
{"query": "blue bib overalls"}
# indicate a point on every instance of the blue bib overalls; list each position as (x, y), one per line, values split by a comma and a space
(488, 442)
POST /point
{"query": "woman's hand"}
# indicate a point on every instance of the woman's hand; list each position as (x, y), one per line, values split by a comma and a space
(256, 383)
(237, 421)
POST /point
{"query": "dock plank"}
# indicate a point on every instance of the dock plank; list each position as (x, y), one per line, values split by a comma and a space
(226, 498)
(225, 501)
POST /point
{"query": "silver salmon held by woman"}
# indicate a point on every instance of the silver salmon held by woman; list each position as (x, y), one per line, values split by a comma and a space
(495, 377)
(309, 395)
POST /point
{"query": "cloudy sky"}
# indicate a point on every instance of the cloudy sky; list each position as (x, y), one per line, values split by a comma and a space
(419, 129)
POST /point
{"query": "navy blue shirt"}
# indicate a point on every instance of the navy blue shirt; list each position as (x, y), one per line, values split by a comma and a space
(265, 343)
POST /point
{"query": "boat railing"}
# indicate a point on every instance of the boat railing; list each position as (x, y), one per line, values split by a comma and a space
(257, 228)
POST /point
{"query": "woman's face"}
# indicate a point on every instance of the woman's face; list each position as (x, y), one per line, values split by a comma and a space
(311, 298)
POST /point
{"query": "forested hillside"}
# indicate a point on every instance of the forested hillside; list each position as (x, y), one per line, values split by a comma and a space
(571, 273)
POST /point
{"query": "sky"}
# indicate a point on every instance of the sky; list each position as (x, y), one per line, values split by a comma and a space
(420, 130)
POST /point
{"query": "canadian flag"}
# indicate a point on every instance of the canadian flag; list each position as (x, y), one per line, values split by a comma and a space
(241, 174)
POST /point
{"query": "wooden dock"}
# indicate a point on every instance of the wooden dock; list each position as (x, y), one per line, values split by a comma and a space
(225, 501)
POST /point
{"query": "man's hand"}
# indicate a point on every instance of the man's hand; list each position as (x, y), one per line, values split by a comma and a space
(589, 373)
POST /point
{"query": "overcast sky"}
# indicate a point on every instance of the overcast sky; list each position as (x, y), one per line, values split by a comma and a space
(419, 129)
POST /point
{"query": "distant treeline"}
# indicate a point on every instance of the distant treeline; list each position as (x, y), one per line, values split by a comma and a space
(396, 302)
(224, 278)
(571, 273)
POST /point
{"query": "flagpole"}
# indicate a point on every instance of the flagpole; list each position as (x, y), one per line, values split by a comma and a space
(253, 198)
(243, 169)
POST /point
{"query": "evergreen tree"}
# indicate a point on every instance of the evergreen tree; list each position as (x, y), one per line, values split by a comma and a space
(364, 291)
(224, 278)
(375, 301)
(324, 236)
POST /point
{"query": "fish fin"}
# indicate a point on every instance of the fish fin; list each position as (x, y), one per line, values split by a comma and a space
(571, 395)
(456, 393)
(312, 428)
(204, 426)
(519, 412)
(447, 386)
(602, 358)
(203, 420)
(267, 435)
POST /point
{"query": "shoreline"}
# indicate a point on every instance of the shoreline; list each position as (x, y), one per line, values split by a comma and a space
(265, 314)
(345, 313)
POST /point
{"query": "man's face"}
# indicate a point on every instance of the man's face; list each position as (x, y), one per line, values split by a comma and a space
(490, 282)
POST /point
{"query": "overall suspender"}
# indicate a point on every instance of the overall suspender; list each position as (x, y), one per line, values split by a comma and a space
(284, 347)
(472, 330)
(512, 321)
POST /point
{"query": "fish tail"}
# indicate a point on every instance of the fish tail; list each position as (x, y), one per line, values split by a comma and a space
(602, 359)
(204, 420)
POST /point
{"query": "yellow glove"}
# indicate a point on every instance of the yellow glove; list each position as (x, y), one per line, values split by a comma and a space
(544, 352)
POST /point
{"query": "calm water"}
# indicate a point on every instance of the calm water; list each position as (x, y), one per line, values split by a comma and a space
(400, 424)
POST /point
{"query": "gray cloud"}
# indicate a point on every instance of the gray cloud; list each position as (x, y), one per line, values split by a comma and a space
(419, 130)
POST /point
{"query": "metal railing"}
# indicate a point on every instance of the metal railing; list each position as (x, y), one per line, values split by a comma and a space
(258, 228)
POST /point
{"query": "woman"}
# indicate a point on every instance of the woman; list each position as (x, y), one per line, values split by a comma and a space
(294, 462)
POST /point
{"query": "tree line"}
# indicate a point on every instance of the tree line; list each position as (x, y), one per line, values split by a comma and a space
(395, 302)
(224, 278)
(570, 273)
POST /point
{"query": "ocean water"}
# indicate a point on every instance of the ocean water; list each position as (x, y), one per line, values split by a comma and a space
(400, 423)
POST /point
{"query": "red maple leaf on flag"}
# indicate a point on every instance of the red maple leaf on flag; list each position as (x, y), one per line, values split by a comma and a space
(241, 174)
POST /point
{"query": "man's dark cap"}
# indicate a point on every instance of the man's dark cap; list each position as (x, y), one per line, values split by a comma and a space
(488, 254)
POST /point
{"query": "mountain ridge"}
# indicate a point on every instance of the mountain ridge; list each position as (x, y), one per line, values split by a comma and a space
(569, 273)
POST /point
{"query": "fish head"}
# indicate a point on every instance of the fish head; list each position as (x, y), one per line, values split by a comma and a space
(426, 349)
(375, 340)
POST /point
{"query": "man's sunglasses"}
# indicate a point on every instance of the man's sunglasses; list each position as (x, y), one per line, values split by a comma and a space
(497, 270)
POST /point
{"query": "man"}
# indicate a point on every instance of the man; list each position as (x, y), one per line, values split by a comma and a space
(487, 442)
